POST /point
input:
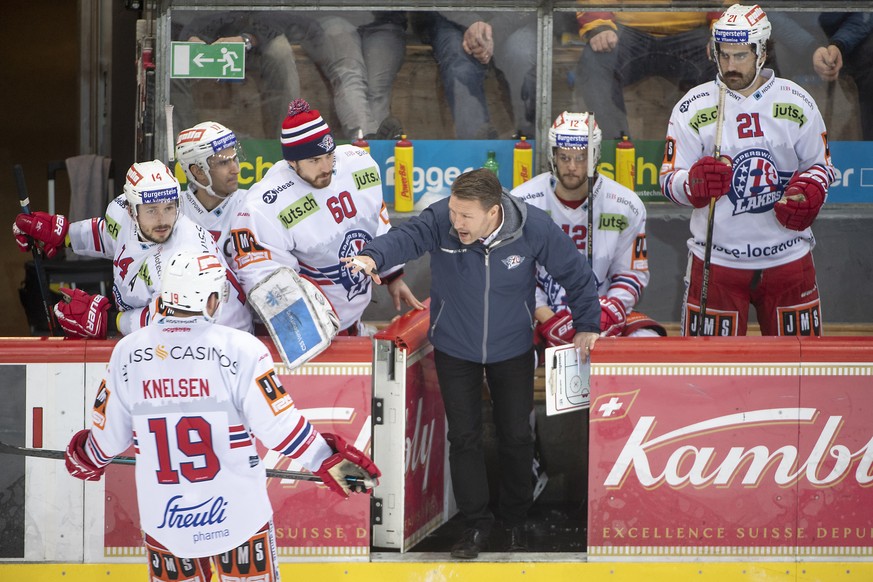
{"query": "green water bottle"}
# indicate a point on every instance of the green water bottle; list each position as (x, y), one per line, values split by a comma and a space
(491, 163)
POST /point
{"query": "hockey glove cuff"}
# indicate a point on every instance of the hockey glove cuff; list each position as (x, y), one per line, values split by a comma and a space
(708, 178)
(77, 461)
(347, 461)
(613, 316)
(48, 230)
(82, 315)
(799, 207)
(558, 330)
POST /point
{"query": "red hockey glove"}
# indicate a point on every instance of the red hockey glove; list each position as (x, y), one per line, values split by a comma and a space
(49, 230)
(558, 330)
(708, 178)
(347, 461)
(799, 206)
(83, 315)
(613, 316)
(78, 463)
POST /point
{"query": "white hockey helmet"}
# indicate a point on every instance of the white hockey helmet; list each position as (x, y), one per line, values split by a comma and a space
(570, 130)
(196, 145)
(190, 279)
(150, 183)
(742, 25)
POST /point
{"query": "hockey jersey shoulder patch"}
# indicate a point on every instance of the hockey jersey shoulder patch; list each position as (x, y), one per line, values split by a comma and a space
(298, 210)
(274, 393)
(367, 178)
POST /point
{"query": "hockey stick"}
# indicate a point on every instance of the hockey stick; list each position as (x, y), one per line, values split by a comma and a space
(710, 221)
(24, 200)
(590, 242)
(121, 460)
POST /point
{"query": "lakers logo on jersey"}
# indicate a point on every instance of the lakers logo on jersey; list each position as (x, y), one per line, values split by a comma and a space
(755, 186)
(357, 283)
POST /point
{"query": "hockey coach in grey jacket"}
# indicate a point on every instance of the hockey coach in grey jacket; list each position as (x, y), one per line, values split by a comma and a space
(485, 245)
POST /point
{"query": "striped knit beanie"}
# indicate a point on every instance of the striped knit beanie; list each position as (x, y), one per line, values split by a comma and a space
(304, 133)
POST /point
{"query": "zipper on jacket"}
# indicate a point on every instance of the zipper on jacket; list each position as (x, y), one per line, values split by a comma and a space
(438, 315)
(485, 315)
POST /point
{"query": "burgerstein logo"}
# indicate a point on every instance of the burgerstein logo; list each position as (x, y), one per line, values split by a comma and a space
(691, 455)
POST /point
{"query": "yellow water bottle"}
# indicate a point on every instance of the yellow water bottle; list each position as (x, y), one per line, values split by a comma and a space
(404, 197)
(625, 169)
(522, 162)
(361, 142)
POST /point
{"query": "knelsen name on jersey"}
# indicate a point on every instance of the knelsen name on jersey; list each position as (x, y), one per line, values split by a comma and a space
(194, 353)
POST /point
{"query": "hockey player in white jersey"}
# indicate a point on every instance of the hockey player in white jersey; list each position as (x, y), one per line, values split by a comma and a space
(210, 153)
(320, 204)
(619, 259)
(192, 397)
(141, 229)
(769, 184)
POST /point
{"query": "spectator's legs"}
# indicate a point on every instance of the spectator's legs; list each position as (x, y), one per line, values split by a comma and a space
(511, 385)
(859, 64)
(682, 58)
(461, 387)
(600, 81)
(463, 82)
(280, 84)
(337, 52)
(384, 48)
(516, 58)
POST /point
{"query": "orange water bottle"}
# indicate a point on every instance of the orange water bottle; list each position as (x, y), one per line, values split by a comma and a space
(404, 197)
(522, 162)
(625, 170)
(361, 142)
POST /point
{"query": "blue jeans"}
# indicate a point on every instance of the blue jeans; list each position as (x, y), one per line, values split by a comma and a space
(602, 77)
(510, 383)
(360, 65)
(516, 57)
(463, 80)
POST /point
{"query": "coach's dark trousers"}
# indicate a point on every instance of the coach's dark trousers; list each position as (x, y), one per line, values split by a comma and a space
(511, 385)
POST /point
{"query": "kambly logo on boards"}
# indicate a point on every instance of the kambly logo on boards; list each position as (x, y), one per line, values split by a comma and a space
(685, 456)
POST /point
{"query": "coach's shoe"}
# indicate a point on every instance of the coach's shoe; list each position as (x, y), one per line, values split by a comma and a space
(517, 539)
(471, 543)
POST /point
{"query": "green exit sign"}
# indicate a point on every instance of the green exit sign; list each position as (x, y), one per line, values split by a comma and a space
(195, 60)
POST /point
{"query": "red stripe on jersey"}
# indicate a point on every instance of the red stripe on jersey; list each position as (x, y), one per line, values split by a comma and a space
(95, 233)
